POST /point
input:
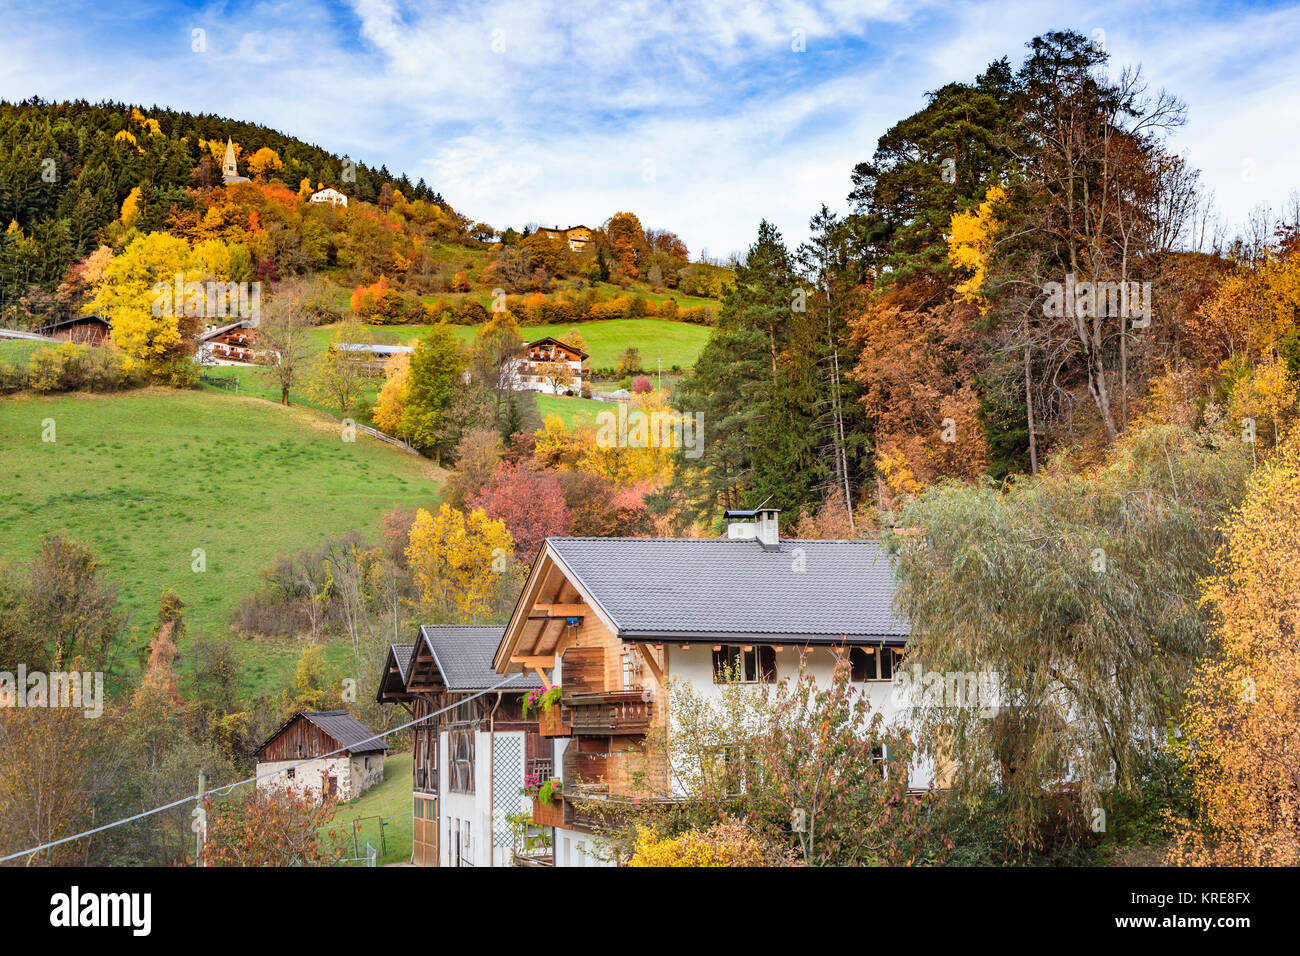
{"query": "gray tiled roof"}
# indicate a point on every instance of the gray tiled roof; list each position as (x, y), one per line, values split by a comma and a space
(402, 657)
(464, 656)
(347, 730)
(728, 587)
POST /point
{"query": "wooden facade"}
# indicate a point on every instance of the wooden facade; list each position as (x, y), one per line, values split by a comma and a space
(613, 700)
(81, 330)
(300, 740)
(458, 715)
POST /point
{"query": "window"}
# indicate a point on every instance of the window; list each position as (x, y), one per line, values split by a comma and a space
(744, 664)
(460, 761)
(873, 663)
(631, 669)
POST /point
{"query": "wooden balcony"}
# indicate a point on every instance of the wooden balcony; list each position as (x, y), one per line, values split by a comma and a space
(617, 712)
(593, 807)
(553, 722)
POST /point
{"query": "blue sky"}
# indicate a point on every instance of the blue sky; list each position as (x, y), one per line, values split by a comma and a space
(700, 117)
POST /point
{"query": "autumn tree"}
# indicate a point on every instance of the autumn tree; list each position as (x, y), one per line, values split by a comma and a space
(390, 405)
(458, 561)
(284, 338)
(528, 500)
(68, 609)
(809, 763)
(627, 242)
(147, 324)
(264, 164)
(57, 766)
(1241, 732)
(271, 827)
(477, 455)
(341, 374)
(1076, 595)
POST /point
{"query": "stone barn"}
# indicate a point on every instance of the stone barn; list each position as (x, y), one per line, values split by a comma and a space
(329, 754)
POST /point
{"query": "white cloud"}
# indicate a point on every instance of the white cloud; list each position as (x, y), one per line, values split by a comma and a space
(555, 122)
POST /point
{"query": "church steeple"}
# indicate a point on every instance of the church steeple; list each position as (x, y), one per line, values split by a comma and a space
(229, 168)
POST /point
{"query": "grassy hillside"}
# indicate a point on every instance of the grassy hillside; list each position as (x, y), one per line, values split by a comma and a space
(147, 477)
(675, 343)
(19, 351)
(574, 412)
(389, 802)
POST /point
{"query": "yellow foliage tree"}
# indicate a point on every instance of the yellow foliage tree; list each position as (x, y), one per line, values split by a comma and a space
(1264, 401)
(390, 405)
(1242, 727)
(150, 327)
(131, 206)
(970, 243)
(644, 454)
(458, 560)
(265, 162)
(726, 843)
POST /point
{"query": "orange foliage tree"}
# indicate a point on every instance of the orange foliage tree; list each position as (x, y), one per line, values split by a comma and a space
(268, 827)
(918, 372)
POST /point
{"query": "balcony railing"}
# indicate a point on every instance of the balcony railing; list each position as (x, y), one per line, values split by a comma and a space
(617, 712)
(593, 806)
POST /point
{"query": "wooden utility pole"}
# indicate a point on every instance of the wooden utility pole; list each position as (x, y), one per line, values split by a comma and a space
(201, 830)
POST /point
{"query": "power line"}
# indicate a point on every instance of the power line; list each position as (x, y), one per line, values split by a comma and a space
(223, 791)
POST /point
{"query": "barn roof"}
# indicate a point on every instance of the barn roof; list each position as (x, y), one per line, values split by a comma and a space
(352, 735)
(464, 656)
(76, 320)
(402, 656)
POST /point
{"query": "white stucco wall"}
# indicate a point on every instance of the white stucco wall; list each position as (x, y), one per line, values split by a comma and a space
(309, 778)
(695, 664)
(476, 809)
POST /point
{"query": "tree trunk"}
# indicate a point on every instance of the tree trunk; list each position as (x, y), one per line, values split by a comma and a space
(1029, 416)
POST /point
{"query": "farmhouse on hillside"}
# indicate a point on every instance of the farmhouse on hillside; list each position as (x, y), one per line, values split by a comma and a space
(328, 754)
(235, 342)
(549, 366)
(330, 195)
(604, 624)
(578, 237)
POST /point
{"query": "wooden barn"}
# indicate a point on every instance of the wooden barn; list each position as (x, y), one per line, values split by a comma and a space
(81, 329)
(328, 753)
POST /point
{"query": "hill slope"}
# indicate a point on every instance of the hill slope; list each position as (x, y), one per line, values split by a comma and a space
(145, 478)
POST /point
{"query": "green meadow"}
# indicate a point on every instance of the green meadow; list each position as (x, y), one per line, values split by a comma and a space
(149, 479)
(658, 340)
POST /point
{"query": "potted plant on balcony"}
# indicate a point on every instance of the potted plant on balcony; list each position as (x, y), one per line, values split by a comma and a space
(545, 703)
(548, 799)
